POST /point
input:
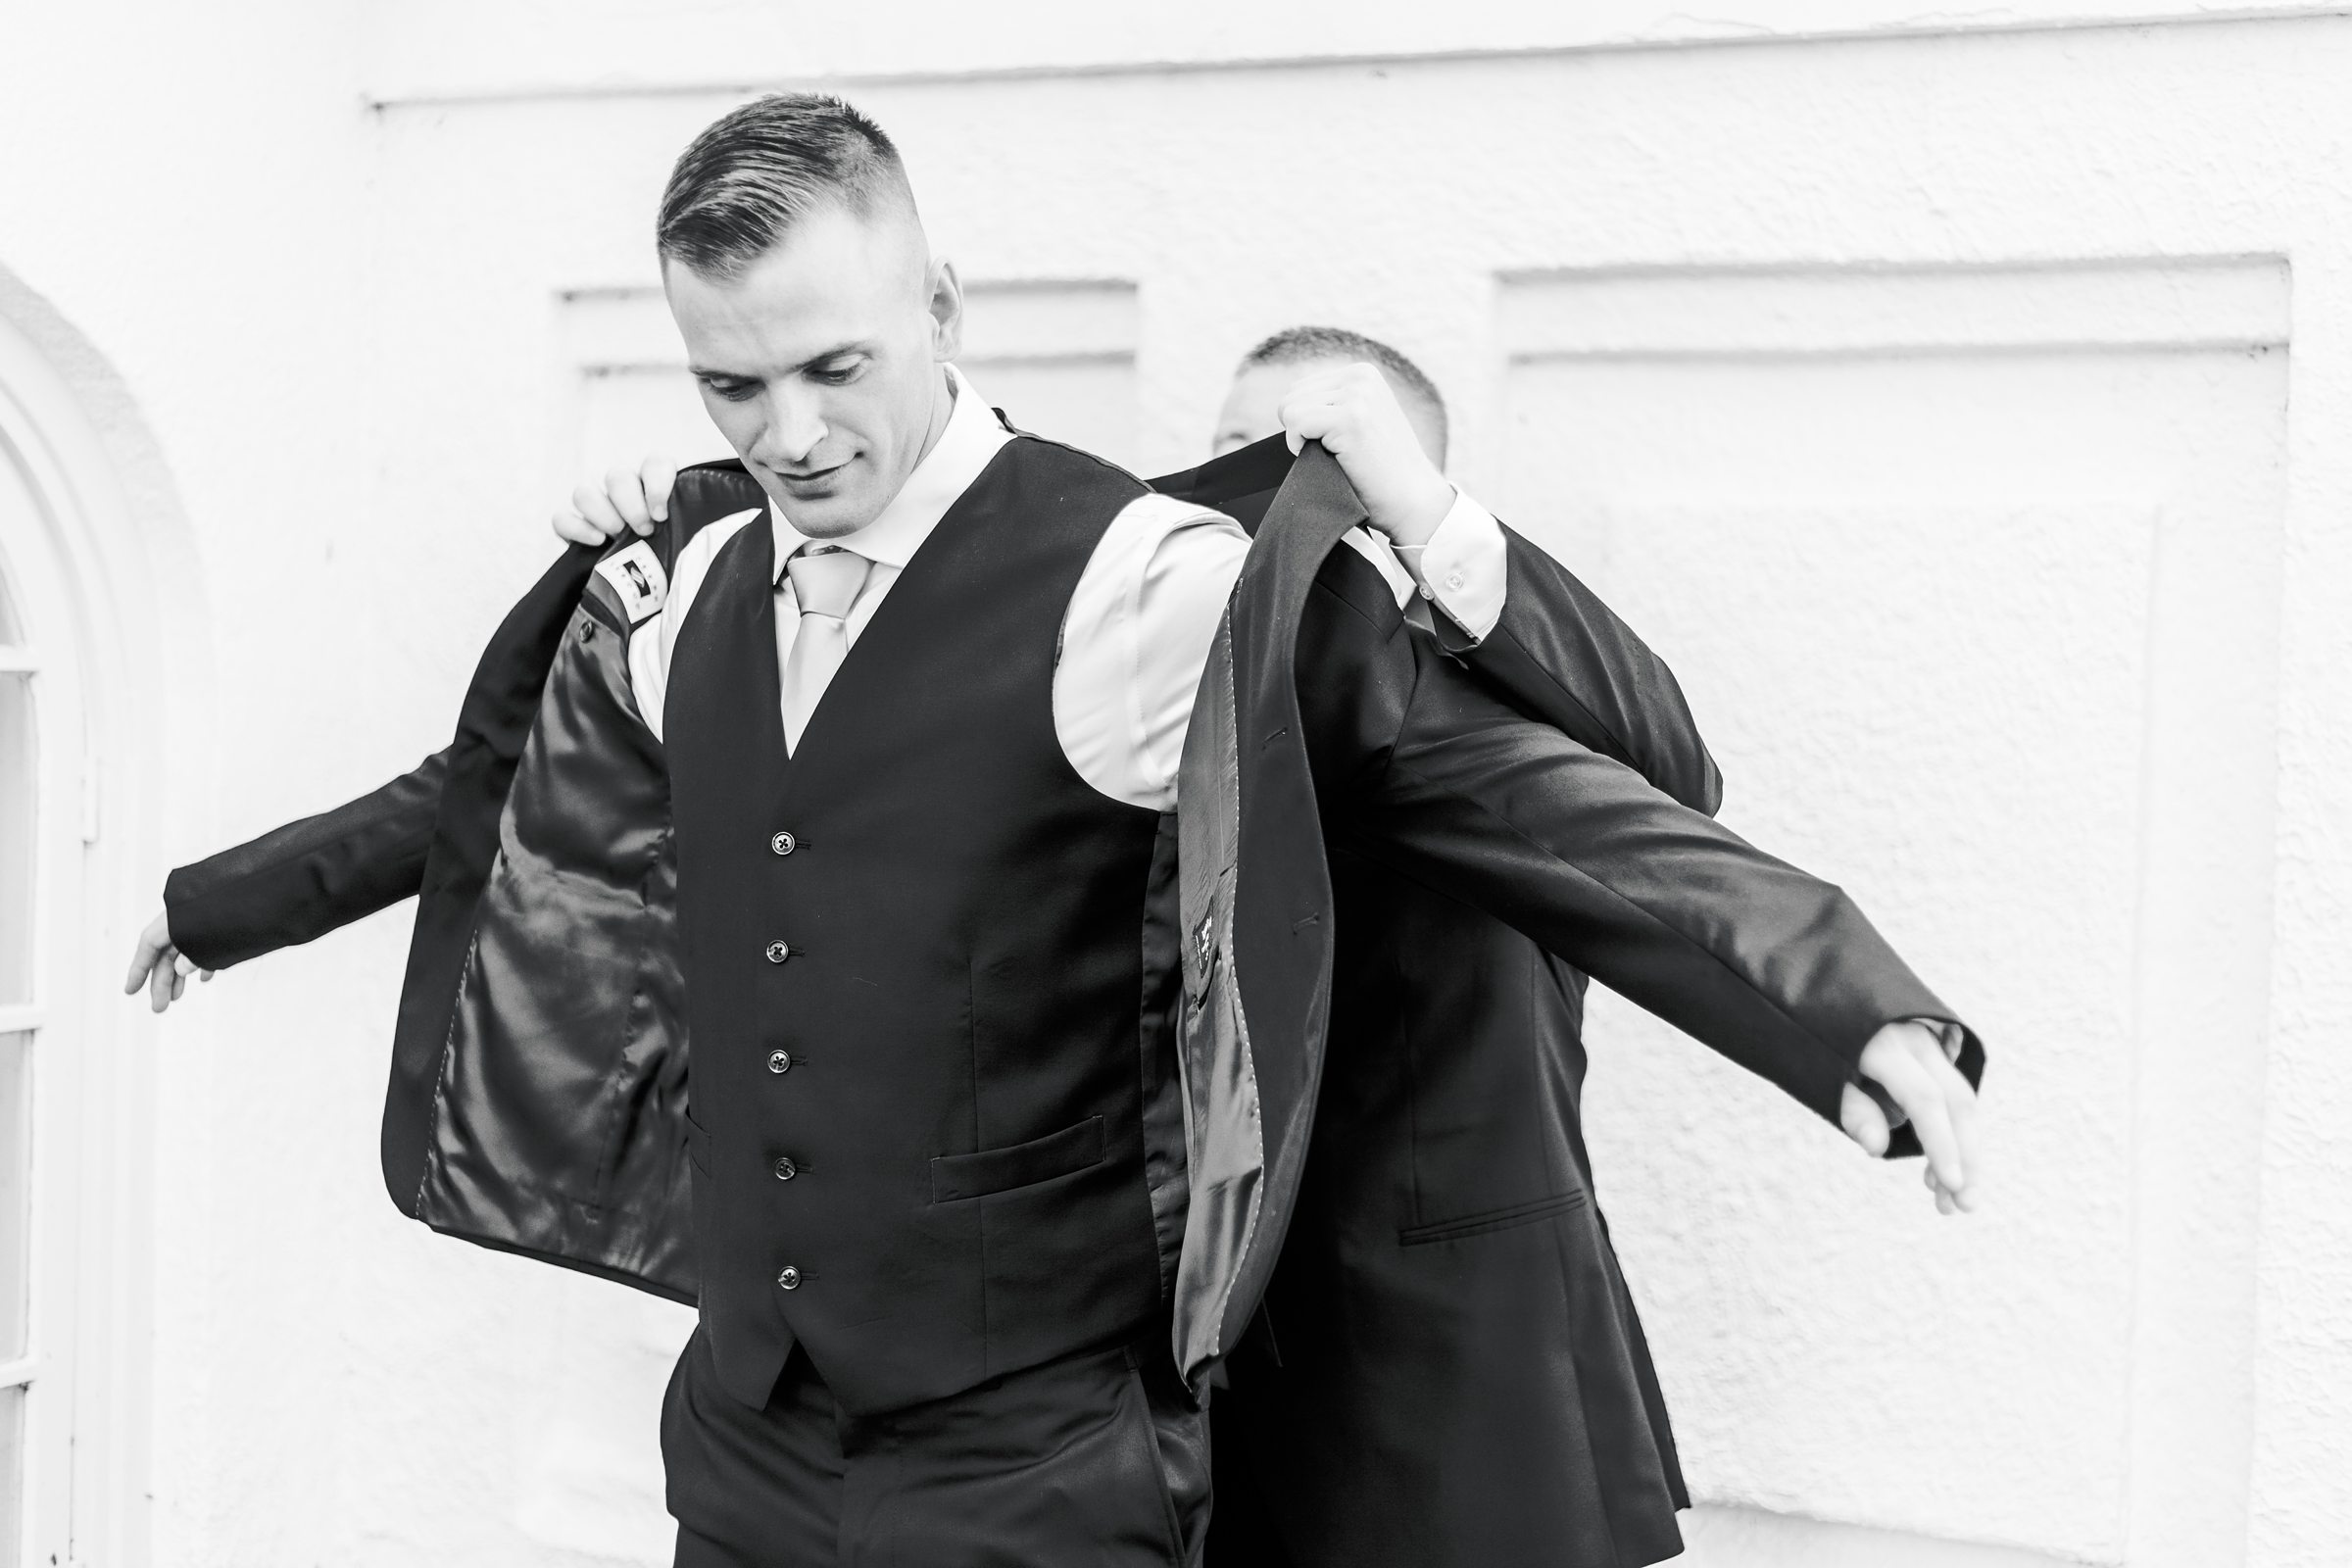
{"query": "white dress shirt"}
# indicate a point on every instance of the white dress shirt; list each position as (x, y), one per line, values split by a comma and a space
(1137, 633)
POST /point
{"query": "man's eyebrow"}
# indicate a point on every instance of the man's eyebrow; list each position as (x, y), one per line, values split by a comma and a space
(838, 351)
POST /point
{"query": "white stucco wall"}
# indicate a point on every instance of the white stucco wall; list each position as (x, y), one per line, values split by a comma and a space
(1959, 411)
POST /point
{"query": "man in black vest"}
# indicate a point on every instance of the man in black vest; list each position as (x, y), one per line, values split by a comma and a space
(1467, 1382)
(951, 1200)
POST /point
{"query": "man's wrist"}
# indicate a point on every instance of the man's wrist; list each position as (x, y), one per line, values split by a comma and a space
(1462, 569)
(1411, 525)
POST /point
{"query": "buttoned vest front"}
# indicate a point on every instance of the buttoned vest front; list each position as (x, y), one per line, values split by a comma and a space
(921, 1012)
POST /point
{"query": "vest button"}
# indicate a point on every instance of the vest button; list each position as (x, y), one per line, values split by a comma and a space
(788, 1278)
(785, 1169)
(779, 1061)
(778, 951)
(783, 844)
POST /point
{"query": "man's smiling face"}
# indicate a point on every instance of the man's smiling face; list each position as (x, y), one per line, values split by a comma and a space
(820, 360)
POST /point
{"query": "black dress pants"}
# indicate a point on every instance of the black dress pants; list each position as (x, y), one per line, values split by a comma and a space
(1095, 1460)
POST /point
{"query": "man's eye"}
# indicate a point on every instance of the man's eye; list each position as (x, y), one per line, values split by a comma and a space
(836, 375)
(734, 391)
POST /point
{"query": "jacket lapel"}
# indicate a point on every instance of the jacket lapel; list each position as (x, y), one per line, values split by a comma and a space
(1254, 892)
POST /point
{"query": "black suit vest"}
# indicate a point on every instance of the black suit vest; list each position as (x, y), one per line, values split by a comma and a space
(916, 988)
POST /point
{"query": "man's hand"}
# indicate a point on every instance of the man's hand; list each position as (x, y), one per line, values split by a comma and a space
(1355, 413)
(1909, 1064)
(160, 966)
(629, 499)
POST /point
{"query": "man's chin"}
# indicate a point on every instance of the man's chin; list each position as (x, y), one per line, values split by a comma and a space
(826, 516)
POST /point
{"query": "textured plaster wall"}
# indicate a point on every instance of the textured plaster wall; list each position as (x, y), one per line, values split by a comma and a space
(1913, 409)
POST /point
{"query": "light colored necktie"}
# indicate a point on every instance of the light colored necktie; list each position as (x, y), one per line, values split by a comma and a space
(825, 580)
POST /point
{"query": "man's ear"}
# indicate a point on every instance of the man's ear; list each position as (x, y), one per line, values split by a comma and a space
(946, 306)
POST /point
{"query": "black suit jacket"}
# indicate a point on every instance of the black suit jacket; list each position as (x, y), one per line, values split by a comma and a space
(1449, 1368)
(1455, 1372)
(1416, 766)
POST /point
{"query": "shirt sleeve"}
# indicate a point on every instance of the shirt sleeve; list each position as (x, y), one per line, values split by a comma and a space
(1464, 567)
(1135, 640)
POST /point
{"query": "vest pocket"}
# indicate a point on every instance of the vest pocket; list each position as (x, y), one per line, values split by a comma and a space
(999, 1170)
(1493, 1219)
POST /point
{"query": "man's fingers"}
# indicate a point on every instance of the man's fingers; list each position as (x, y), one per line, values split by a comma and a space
(1961, 1100)
(591, 504)
(143, 958)
(1314, 409)
(572, 528)
(1920, 1095)
(1957, 1103)
(1863, 1121)
(154, 943)
(1907, 1060)
(159, 966)
(627, 492)
(660, 478)
(1310, 421)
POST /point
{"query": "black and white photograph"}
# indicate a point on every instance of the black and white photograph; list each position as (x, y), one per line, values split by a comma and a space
(1194, 786)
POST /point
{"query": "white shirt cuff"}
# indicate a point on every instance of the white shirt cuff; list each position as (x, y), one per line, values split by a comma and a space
(1466, 567)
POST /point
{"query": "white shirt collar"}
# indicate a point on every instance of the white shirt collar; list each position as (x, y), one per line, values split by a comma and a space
(965, 447)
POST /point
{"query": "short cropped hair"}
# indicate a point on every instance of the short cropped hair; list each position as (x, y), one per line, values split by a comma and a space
(1295, 345)
(760, 168)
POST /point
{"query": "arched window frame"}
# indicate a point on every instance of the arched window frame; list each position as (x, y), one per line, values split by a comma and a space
(104, 580)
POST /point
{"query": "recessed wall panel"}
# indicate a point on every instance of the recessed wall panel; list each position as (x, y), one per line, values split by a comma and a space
(1972, 586)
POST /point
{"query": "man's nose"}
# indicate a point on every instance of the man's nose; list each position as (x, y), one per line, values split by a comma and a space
(793, 431)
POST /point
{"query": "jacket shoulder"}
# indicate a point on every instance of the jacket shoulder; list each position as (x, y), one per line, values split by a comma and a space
(631, 574)
(1062, 463)
(703, 494)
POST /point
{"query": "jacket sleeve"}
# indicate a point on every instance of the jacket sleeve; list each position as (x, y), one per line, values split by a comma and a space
(1417, 765)
(299, 882)
(1563, 657)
